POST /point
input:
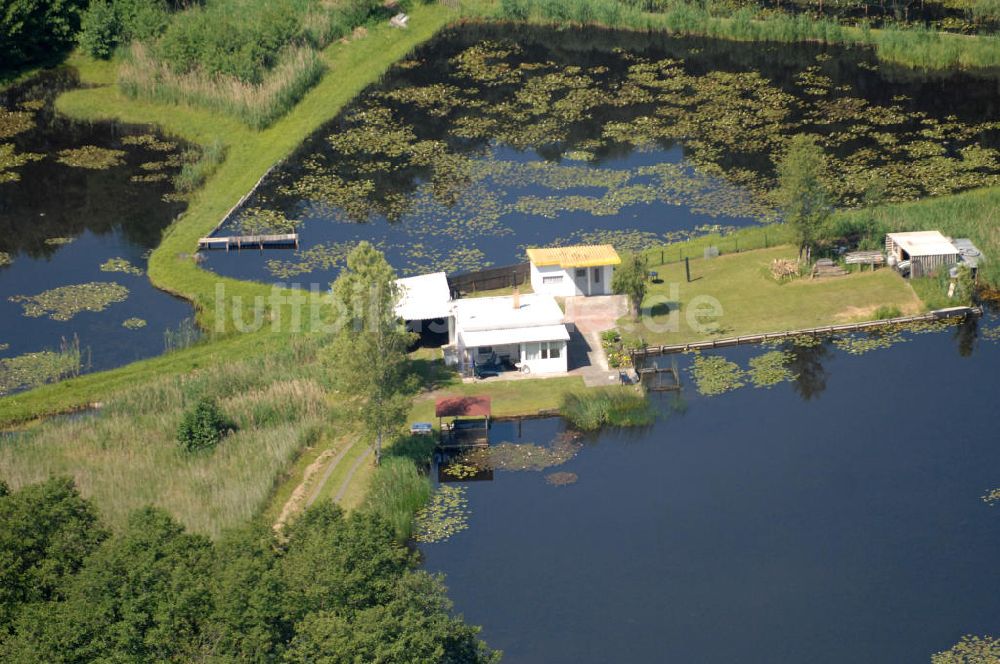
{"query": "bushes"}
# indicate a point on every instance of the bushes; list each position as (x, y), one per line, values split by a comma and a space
(31, 31)
(885, 313)
(595, 408)
(108, 24)
(202, 427)
(253, 59)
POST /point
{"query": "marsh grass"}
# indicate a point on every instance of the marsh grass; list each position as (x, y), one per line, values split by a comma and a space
(397, 491)
(127, 456)
(611, 406)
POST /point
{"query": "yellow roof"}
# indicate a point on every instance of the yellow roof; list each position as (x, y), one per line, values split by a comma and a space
(588, 255)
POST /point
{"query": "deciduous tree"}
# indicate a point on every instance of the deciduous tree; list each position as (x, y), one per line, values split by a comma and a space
(802, 194)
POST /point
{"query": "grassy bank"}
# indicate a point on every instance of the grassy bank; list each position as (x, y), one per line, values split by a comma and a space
(752, 301)
(912, 47)
(127, 456)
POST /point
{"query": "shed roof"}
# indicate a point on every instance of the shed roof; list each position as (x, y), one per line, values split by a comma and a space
(583, 255)
(471, 406)
(424, 297)
(499, 313)
(969, 252)
(924, 243)
(519, 335)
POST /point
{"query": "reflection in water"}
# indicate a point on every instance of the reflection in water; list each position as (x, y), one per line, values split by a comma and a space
(806, 363)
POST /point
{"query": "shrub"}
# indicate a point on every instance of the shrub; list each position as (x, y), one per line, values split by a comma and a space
(202, 427)
(106, 25)
(885, 313)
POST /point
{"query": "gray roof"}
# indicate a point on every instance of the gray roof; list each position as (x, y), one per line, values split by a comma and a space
(969, 253)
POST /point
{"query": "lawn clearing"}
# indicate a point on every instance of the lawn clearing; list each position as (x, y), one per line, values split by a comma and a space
(753, 302)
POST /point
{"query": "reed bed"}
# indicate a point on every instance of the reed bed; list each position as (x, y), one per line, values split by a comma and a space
(612, 406)
(398, 489)
(126, 456)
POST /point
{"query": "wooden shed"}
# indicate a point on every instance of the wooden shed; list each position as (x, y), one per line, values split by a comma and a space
(927, 251)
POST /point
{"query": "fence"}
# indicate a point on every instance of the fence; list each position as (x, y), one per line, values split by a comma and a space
(489, 279)
(745, 239)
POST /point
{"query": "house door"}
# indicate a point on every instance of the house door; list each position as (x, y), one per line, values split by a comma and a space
(596, 285)
(580, 277)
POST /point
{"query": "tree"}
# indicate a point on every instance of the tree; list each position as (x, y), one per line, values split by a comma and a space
(630, 279)
(802, 194)
(34, 29)
(368, 356)
(414, 626)
(46, 532)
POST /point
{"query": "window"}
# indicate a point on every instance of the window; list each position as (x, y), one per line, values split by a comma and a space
(555, 349)
(485, 350)
(531, 351)
(545, 350)
(581, 272)
(597, 275)
(552, 280)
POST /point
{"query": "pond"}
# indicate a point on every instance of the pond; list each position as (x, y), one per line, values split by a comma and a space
(837, 518)
(490, 139)
(81, 206)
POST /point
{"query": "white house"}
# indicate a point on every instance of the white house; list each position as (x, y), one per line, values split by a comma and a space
(569, 271)
(526, 330)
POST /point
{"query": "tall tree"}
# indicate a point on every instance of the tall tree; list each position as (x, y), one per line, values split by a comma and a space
(802, 194)
(369, 360)
(33, 29)
(46, 532)
(630, 279)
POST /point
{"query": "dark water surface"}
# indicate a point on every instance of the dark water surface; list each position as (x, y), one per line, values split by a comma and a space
(756, 526)
(491, 139)
(103, 212)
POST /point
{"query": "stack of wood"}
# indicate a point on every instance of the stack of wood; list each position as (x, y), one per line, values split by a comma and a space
(784, 268)
(870, 258)
(825, 267)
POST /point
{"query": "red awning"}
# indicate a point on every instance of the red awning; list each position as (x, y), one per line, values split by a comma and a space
(462, 407)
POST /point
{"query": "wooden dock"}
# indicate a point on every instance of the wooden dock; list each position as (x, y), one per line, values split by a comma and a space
(239, 242)
(641, 354)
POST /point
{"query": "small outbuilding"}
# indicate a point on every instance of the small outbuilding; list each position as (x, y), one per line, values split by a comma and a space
(468, 420)
(927, 251)
(570, 271)
(425, 305)
(525, 333)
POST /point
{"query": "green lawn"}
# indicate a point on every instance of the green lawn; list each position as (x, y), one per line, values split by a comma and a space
(752, 302)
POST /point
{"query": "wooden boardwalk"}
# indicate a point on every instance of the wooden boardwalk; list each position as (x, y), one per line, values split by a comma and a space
(941, 314)
(249, 241)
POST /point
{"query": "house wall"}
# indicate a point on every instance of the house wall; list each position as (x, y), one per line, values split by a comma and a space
(540, 365)
(924, 266)
(564, 282)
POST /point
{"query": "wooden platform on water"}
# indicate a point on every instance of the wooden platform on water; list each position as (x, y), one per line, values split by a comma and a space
(239, 242)
(931, 316)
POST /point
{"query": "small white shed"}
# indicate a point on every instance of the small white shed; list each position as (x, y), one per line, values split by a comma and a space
(425, 305)
(576, 270)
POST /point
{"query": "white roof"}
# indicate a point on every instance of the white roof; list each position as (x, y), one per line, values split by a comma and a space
(424, 297)
(498, 313)
(924, 243)
(517, 335)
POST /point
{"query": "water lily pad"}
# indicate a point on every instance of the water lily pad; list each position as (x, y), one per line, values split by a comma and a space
(58, 241)
(134, 323)
(119, 265)
(65, 302)
(446, 514)
(5, 259)
(715, 375)
(91, 157)
(561, 478)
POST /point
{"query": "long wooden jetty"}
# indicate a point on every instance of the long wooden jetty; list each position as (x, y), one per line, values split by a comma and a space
(249, 241)
(640, 354)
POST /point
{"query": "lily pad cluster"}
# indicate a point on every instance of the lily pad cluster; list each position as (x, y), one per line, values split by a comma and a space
(446, 514)
(58, 241)
(120, 265)
(11, 160)
(91, 157)
(524, 456)
(992, 497)
(65, 302)
(5, 259)
(561, 478)
(134, 323)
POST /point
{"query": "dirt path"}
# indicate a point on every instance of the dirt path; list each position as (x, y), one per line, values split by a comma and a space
(350, 474)
(305, 493)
